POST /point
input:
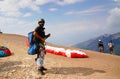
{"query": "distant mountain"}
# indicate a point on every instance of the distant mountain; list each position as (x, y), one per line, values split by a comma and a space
(92, 44)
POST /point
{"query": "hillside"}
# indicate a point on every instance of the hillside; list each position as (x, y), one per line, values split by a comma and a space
(20, 65)
(92, 44)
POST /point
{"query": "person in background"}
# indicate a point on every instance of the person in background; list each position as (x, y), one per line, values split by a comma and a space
(111, 47)
(39, 39)
(100, 46)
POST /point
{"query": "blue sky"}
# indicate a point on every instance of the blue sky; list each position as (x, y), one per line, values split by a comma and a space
(68, 21)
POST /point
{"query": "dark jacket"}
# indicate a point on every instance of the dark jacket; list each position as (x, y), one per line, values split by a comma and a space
(100, 44)
(40, 31)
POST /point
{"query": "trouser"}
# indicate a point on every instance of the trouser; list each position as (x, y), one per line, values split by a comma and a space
(40, 54)
(101, 49)
(40, 59)
(111, 50)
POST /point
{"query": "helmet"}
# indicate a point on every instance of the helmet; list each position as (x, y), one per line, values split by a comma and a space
(99, 40)
(41, 21)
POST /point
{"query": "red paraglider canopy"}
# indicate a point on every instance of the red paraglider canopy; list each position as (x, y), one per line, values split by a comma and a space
(66, 53)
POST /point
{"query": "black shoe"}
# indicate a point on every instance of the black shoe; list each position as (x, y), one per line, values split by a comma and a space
(40, 71)
(43, 68)
(35, 59)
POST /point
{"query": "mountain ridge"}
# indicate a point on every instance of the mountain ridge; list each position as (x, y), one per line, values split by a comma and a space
(92, 43)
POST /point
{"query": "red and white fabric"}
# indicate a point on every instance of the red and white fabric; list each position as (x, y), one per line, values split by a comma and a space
(66, 52)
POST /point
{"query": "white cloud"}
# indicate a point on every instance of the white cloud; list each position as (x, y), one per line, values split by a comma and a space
(77, 26)
(28, 4)
(117, 2)
(53, 9)
(64, 2)
(88, 11)
(5, 20)
(59, 2)
(9, 8)
(42, 2)
(16, 26)
(27, 14)
(35, 8)
(77, 31)
(114, 19)
(13, 7)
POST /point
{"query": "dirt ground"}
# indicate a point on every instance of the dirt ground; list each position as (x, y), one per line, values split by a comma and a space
(20, 65)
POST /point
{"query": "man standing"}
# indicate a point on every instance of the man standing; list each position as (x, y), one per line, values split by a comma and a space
(100, 46)
(111, 47)
(39, 39)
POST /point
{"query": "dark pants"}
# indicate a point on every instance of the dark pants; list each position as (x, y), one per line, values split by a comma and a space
(111, 50)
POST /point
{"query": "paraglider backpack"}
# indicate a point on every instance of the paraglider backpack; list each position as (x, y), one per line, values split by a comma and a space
(32, 47)
(4, 51)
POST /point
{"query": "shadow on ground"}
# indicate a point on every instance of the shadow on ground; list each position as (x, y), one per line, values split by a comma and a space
(9, 65)
(74, 70)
